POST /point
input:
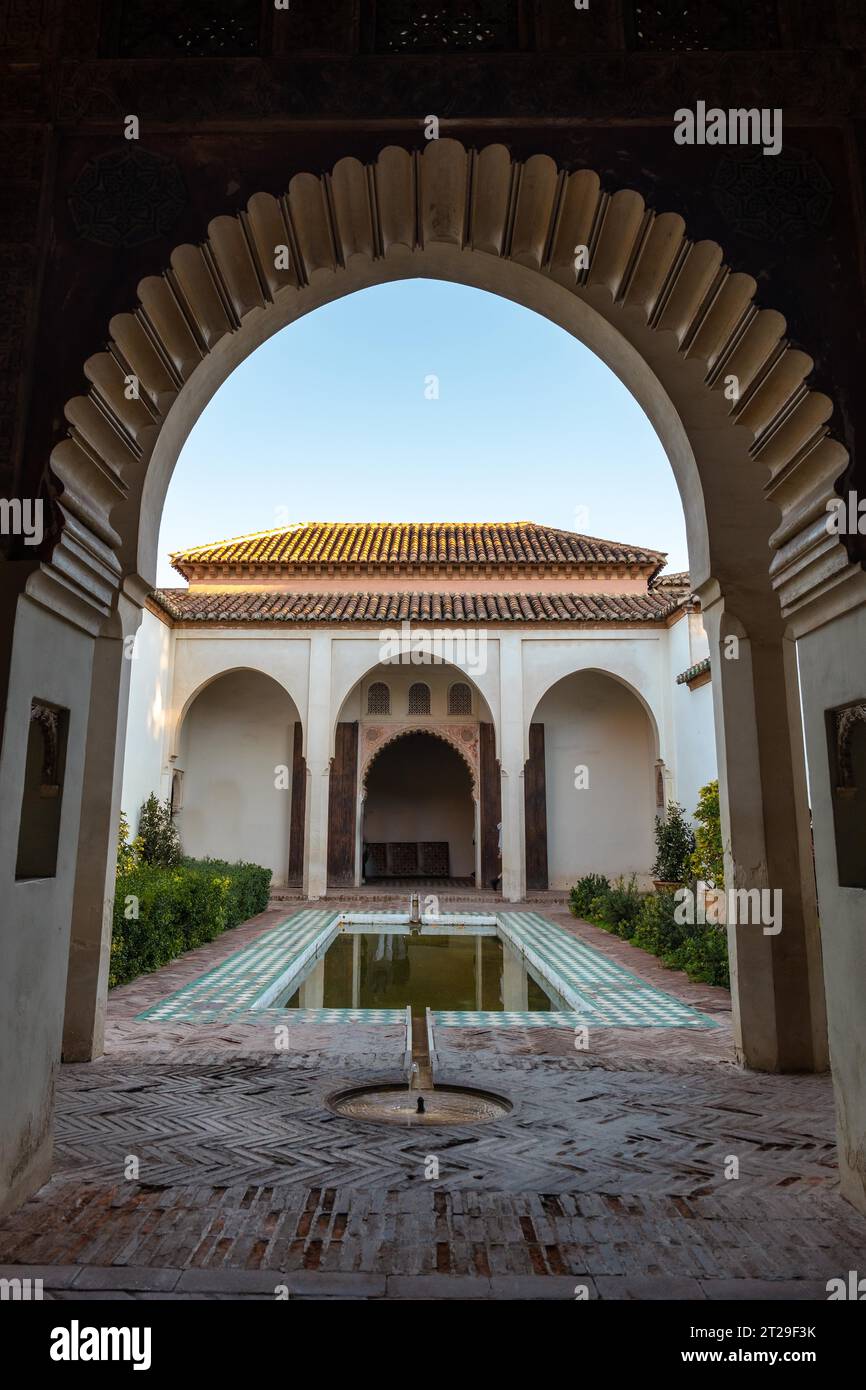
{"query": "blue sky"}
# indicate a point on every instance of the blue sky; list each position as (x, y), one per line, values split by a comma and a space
(330, 421)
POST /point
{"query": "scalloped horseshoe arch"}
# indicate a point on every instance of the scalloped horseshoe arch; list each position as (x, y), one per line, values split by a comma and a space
(466, 751)
(666, 314)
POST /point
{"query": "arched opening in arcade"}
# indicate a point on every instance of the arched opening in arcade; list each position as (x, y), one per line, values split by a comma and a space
(673, 322)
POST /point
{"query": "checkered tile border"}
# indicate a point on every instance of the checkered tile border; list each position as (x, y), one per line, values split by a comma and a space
(252, 973)
(599, 991)
(502, 1018)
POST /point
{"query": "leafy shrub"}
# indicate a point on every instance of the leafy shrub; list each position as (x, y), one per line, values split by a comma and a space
(158, 841)
(160, 912)
(700, 950)
(126, 855)
(704, 956)
(597, 910)
(656, 929)
(584, 891)
(708, 861)
(612, 906)
(675, 845)
(622, 905)
(649, 920)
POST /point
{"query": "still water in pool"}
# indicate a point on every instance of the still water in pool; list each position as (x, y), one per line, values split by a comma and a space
(387, 970)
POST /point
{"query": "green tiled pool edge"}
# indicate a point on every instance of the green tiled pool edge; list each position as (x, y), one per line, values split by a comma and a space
(602, 992)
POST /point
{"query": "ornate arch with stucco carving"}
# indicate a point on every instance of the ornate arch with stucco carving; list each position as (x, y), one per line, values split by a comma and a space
(686, 328)
(845, 721)
(747, 440)
(463, 738)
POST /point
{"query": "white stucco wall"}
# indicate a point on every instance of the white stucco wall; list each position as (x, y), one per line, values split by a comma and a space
(200, 655)
(173, 671)
(150, 695)
(357, 659)
(236, 733)
(692, 714)
(606, 827)
(831, 664)
(51, 661)
(634, 656)
(399, 680)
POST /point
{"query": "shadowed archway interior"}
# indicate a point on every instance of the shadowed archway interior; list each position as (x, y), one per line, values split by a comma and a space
(598, 739)
(419, 816)
(235, 755)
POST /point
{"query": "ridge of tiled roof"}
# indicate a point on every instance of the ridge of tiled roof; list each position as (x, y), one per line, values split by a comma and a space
(277, 606)
(321, 543)
(675, 579)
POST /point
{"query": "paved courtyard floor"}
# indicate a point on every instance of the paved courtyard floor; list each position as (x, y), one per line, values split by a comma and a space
(194, 1161)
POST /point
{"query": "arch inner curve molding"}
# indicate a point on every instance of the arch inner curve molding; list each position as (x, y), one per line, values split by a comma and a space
(684, 326)
(463, 738)
(845, 721)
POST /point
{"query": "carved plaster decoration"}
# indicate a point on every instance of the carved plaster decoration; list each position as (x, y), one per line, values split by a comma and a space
(444, 26)
(703, 26)
(48, 720)
(784, 198)
(463, 738)
(126, 197)
(844, 721)
(641, 266)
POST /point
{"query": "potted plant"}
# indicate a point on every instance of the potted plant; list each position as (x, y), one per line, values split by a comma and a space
(675, 845)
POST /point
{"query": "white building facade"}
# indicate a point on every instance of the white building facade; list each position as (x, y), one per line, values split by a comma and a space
(506, 705)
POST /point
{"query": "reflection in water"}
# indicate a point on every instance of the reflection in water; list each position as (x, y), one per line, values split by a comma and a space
(388, 970)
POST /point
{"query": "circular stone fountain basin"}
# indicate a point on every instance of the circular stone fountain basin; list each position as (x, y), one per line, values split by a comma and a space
(443, 1105)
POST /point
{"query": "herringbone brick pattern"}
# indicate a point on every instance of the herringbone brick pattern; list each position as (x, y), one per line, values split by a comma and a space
(579, 1125)
(610, 1170)
(602, 1172)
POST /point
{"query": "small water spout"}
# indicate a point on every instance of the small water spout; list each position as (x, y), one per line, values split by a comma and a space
(419, 1108)
(414, 909)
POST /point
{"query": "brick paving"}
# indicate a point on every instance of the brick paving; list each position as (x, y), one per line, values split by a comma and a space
(609, 1173)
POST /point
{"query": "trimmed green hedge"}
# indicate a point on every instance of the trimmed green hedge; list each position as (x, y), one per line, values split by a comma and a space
(161, 912)
(700, 950)
(648, 920)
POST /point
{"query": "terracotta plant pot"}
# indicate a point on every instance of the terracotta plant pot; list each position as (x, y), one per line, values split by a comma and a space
(666, 885)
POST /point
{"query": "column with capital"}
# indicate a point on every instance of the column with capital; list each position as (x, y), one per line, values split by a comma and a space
(318, 759)
(512, 758)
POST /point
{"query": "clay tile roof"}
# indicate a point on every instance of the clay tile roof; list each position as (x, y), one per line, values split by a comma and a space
(316, 544)
(263, 606)
(675, 579)
(693, 672)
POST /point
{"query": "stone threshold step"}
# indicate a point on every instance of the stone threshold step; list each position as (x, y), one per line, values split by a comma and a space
(71, 1282)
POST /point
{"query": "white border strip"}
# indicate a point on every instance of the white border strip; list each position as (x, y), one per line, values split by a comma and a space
(317, 947)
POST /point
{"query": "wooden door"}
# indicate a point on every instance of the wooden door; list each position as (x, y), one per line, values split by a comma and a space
(535, 807)
(298, 808)
(491, 806)
(342, 799)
